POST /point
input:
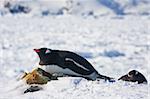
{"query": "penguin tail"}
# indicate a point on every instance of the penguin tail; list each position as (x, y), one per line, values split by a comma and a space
(106, 78)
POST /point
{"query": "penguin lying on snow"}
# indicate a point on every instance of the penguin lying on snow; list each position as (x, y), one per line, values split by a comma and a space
(134, 76)
(67, 63)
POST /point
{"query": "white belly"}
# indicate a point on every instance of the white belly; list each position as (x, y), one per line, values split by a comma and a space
(54, 69)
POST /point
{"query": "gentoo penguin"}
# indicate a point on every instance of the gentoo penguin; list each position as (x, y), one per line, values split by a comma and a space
(134, 76)
(67, 63)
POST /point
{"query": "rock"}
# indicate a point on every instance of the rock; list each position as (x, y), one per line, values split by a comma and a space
(33, 89)
(38, 76)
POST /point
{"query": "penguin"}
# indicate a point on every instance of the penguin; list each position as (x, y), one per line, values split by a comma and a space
(67, 63)
(134, 76)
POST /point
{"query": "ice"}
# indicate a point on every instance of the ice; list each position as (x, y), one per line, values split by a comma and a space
(112, 53)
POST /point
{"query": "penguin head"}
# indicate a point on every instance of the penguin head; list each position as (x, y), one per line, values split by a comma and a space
(133, 73)
(42, 51)
(47, 56)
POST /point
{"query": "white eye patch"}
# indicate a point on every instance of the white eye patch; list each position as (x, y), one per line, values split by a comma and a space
(129, 75)
(47, 51)
(136, 73)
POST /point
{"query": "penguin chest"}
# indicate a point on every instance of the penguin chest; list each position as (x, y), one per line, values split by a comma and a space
(55, 69)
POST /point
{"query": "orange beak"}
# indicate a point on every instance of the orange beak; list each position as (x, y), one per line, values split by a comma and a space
(36, 50)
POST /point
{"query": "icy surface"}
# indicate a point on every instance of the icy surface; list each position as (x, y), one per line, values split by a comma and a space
(88, 37)
(76, 7)
(125, 38)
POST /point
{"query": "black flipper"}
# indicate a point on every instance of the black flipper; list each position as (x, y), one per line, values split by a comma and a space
(77, 69)
(106, 78)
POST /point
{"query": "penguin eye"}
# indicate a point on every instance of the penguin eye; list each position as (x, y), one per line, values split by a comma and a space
(47, 51)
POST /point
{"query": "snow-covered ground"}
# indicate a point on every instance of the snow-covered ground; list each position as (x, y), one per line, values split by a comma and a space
(113, 44)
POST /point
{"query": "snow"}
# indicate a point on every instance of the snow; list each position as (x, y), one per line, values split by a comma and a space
(77, 7)
(101, 40)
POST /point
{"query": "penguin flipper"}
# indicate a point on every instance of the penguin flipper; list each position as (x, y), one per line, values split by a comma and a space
(71, 64)
(106, 78)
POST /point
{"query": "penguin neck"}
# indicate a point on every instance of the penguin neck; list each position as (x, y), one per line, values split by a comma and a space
(52, 61)
(42, 62)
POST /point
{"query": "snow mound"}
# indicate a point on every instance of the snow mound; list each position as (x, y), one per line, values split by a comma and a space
(84, 8)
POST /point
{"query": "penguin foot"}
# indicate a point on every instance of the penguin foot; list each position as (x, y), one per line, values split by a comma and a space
(109, 79)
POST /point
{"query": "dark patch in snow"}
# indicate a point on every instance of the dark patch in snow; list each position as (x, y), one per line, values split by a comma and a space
(48, 12)
(145, 13)
(45, 13)
(112, 53)
(88, 13)
(16, 8)
(115, 6)
(137, 2)
(118, 17)
(85, 54)
(76, 81)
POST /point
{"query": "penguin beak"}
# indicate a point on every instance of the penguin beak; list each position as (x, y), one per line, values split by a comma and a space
(36, 50)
